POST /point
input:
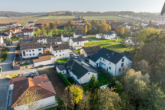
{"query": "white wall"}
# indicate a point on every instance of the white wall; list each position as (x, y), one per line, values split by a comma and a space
(28, 33)
(76, 36)
(110, 37)
(40, 103)
(63, 71)
(98, 36)
(1, 41)
(129, 42)
(35, 52)
(83, 52)
(47, 62)
(64, 39)
(77, 45)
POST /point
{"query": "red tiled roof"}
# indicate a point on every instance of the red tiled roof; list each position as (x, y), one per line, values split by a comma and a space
(17, 79)
(40, 84)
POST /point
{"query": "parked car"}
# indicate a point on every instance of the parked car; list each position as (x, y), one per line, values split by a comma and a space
(10, 76)
(76, 56)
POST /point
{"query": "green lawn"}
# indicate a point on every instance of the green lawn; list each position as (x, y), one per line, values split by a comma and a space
(94, 38)
(78, 51)
(0, 70)
(62, 60)
(25, 64)
(109, 44)
(103, 18)
(58, 17)
(3, 54)
(103, 80)
(15, 38)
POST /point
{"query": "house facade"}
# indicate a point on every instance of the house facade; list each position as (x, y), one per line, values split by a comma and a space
(79, 34)
(27, 32)
(29, 50)
(61, 69)
(111, 61)
(60, 50)
(107, 35)
(74, 67)
(1, 41)
(66, 37)
(78, 43)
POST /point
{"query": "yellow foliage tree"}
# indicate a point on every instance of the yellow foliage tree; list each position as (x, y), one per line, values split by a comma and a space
(122, 30)
(86, 29)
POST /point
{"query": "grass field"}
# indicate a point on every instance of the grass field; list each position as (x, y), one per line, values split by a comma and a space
(109, 44)
(62, 60)
(104, 18)
(58, 17)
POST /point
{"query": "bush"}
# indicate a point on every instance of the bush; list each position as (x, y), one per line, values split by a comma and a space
(65, 79)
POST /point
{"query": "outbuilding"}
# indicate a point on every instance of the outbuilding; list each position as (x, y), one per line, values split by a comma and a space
(61, 69)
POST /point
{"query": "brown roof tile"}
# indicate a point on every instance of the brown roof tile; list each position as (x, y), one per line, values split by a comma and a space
(42, 58)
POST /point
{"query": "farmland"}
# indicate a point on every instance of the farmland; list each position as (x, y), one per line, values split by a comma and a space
(58, 17)
(104, 18)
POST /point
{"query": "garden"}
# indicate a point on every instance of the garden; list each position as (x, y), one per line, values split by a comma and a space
(62, 60)
(3, 54)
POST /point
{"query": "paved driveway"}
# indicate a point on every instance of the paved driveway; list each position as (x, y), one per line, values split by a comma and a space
(4, 83)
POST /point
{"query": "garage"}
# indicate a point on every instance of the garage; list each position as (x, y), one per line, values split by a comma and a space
(42, 61)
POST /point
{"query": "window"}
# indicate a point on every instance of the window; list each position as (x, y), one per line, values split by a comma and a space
(39, 49)
(56, 55)
(60, 54)
(100, 58)
(63, 54)
(33, 54)
(29, 50)
(123, 60)
(110, 68)
(40, 53)
(26, 50)
(24, 53)
(119, 69)
(56, 51)
(27, 54)
(33, 50)
(122, 64)
(88, 73)
(30, 54)
(59, 51)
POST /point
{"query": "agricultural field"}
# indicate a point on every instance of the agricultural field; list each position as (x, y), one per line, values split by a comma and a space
(110, 44)
(104, 18)
(58, 17)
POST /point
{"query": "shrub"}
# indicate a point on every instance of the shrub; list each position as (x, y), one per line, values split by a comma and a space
(65, 79)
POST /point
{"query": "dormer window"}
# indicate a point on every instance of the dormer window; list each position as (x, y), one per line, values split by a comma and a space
(123, 60)
(100, 58)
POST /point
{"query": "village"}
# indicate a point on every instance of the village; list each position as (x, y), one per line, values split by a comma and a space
(42, 59)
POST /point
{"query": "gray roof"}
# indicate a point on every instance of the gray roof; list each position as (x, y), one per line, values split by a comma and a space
(78, 68)
(79, 39)
(163, 9)
(67, 35)
(109, 55)
(91, 50)
(109, 33)
(25, 46)
(61, 67)
(60, 46)
(80, 33)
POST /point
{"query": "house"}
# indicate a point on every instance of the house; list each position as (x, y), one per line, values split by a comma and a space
(66, 37)
(27, 32)
(111, 61)
(60, 50)
(61, 69)
(31, 23)
(42, 61)
(5, 26)
(1, 41)
(80, 72)
(89, 51)
(31, 50)
(79, 22)
(39, 84)
(6, 35)
(19, 34)
(78, 43)
(79, 34)
(107, 35)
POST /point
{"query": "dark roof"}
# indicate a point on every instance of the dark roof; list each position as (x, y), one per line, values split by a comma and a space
(27, 30)
(67, 35)
(61, 67)
(107, 54)
(128, 55)
(163, 9)
(80, 33)
(60, 46)
(91, 50)
(78, 68)
(109, 33)
(25, 46)
(79, 39)
(152, 25)
(30, 22)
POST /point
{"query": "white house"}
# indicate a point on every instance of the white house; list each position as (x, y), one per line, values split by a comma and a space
(79, 34)
(31, 23)
(131, 41)
(1, 41)
(89, 51)
(78, 43)
(31, 50)
(66, 37)
(27, 32)
(107, 35)
(80, 72)
(111, 61)
(6, 35)
(39, 84)
(61, 69)
(42, 61)
(60, 50)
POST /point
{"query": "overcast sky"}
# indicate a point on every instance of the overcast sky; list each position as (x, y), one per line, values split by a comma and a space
(81, 5)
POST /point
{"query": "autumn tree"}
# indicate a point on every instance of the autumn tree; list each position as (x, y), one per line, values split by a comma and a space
(71, 23)
(65, 30)
(122, 30)
(57, 23)
(89, 26)
(47, 28)
(84, 21)
(52, 25)
(81, 29)
(30, 101)
(55, 31)
(86, 29)
(42, 30)
(38, 31)
(93, 22)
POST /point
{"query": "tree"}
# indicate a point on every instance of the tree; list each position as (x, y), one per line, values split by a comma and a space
(93, 23)
(93, 84)
(55, 31)
(38, 31)
(52, 25)
(122, 30)
(57, 23)
(102, 22)
(65, 30)
(84, 21)
(71, 23)
(30, 100)
(42, 30)
(108, 100)
(89, 26)
(47, 28)
(86, 29)
(81, 29)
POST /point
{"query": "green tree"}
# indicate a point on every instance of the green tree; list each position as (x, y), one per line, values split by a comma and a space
(93, 84)
(71, 23)
(47, 28)
(93, 23)
(84, 21)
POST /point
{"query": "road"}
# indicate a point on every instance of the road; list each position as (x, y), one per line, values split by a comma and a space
(4, 83)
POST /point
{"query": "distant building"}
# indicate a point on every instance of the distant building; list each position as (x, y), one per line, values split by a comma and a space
(66, 37)
(107, 35)
(89, 51)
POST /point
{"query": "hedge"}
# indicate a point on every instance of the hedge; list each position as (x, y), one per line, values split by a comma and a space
(65, 79)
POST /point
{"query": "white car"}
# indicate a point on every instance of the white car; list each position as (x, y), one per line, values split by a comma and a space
(76, 56)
